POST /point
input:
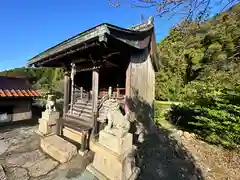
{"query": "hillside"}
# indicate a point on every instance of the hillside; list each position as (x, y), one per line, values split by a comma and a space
(42, 79)
(191, 49)
(201, 68)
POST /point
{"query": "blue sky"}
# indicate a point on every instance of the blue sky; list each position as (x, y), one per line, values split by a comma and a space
(28, 27)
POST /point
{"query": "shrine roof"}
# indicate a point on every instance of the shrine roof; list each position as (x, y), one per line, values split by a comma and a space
(136, 37)
(16, 87)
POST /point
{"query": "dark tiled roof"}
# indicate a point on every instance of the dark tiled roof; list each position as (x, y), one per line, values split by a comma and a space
(16, 87)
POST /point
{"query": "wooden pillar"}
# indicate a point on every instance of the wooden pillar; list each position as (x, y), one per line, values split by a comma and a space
(110, 92)
(65, 103)
(66, 92)
(95, 82)
(81, 92)
(128, 87)
(73, 73)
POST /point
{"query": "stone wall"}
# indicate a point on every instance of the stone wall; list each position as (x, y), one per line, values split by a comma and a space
(17, 109)
(22, 111)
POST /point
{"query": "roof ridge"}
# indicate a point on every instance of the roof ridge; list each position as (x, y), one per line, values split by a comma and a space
(143, 25)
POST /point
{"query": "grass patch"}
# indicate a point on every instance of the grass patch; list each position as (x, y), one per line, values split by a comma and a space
(161, 110)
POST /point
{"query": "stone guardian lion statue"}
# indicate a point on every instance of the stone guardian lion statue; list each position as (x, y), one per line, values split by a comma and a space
(50, 105)
(118, 124)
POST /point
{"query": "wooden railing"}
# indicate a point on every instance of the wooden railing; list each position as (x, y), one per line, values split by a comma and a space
(80, 93)
(120, 92)
(117, 93)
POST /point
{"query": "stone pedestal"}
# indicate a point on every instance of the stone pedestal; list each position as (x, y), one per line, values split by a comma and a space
(47, 123)
(116, 144)
(114, 159)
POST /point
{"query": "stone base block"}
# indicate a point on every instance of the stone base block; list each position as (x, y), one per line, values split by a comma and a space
(73, 135)
(100, 176)
(45, 128)
(114, 143)
(98, 148)
(50, 117)
(58, 148)
(111, 164)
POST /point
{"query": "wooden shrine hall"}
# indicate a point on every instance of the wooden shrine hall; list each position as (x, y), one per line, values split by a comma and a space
(103, 62)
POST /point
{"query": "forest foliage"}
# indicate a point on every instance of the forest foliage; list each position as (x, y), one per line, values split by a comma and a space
(200, 67)
(45, 80)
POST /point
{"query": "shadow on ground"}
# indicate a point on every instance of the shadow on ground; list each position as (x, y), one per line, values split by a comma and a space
(160, 155)
(163, 158)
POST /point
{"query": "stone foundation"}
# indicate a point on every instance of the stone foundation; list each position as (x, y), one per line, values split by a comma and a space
(47, 124)
(116, 144)
(58, 148)
(114, 159)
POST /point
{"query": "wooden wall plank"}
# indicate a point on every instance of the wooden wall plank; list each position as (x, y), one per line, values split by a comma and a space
(140, 85)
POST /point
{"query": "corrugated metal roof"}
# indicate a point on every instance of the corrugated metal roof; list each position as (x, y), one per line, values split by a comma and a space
(16, 87)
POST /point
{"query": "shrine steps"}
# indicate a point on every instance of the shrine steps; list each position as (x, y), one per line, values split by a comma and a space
(78, 122)
(82, 113)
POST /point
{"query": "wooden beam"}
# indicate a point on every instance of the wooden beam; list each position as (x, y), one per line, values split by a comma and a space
(110, 64)
(95, 83)
(88, 69)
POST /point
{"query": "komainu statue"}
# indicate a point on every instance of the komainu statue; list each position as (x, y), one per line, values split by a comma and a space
(50, 106)
(118, 124)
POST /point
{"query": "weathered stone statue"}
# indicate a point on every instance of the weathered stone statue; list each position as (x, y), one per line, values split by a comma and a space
(117, 123)
(114, 153)
(47, 123)
(50, 105)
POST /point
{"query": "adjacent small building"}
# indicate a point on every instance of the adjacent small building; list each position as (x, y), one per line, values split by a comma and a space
(16, 96)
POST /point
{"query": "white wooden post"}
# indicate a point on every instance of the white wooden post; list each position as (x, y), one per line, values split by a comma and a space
(73, 73)
(110, 92)
(95, 81)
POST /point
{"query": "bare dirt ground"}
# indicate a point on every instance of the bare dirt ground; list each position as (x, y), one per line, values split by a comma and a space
(177, 155)
(22, 158)
(216, 163)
